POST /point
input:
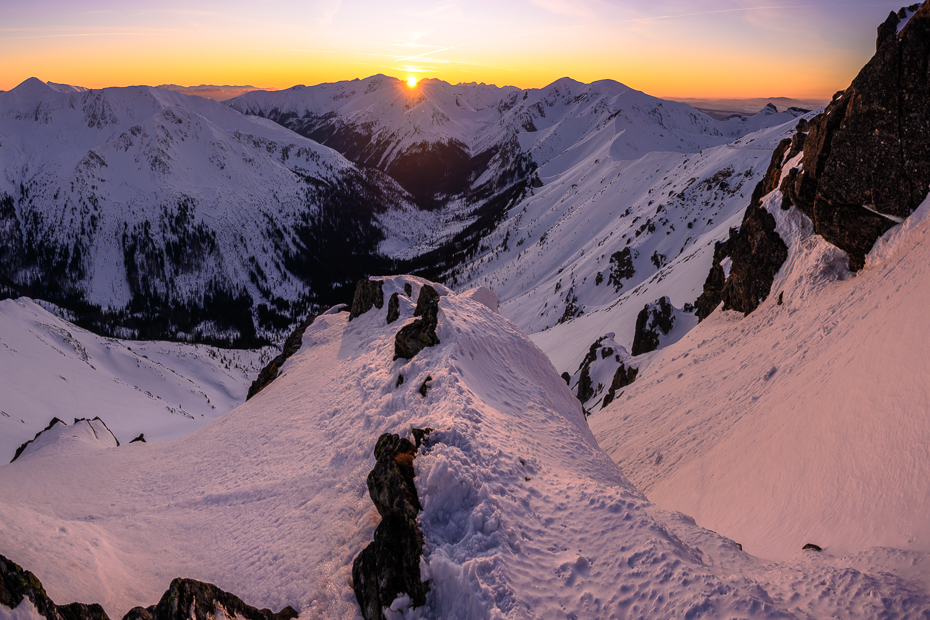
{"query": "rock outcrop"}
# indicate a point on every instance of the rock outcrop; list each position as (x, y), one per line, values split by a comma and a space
(185, 599)
(624, 376)
(368, 294)
(866, 163)
(270, 372)
(393, 312)
(421, 333)
(390, 565)
(653, 320)
(865, 167)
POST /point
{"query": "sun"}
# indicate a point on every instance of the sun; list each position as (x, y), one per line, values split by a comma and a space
(411, 81)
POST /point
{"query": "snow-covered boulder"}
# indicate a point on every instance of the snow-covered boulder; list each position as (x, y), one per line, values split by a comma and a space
(60, 437)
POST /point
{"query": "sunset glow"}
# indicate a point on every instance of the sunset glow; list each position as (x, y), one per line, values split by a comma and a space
(721, 48)
(411, 81)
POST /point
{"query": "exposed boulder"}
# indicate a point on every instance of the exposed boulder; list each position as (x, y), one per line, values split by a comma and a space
(621, 268)
(291, 345)
(368, 294)
(624, 376)
(390, 565)
(654, 319)
(139, 439)
(393, 312)
(16, 583)
(866, 163)
(421, 333)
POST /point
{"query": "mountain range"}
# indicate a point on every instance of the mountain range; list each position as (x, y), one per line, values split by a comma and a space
(644, 364)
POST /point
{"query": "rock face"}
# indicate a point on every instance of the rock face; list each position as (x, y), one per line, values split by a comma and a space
(865, 167)
(390, 565)
(654, 319)
(413, 338)
(624, 376)
(368, 294)
(187, 599)
(20, 449)
(866, 161)
(270, 372)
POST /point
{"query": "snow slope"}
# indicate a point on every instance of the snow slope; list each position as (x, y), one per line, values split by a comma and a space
(51, 368)
(802, 422)
(523, 514)
(549, 260)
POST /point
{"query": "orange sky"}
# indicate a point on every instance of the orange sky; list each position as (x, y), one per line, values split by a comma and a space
(701, 48)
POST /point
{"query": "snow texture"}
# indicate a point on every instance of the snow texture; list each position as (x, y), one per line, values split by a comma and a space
(523, 514)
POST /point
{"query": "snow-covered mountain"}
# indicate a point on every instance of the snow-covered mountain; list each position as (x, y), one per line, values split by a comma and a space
(521, 513)
(177, 216)
(440, 140)
(164, 390)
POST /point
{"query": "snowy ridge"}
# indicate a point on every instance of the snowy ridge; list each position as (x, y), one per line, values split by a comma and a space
(52, 368)
(523, 514)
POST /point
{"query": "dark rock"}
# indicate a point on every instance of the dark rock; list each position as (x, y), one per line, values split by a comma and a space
(567, 378)
(368, 294)
(390, 565)
(757, 252)
(585, 390)
(887, 29)
(408, 288)
(20, 449)
(653, 319)
(187, 599)
(141, 438)
(812, 547)
(871, 146)
(82, 611)
(393, 312)
(621, 268)
(291, 345)
(16, 583)
(425, 386)
(400, 381)
(416, 336)
(623, 377)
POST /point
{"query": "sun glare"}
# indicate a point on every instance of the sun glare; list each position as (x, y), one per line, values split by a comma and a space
(411, 81)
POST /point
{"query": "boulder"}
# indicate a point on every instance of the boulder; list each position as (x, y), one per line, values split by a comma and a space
(654, 319)
(368, 294)
(393, 312)
(421, 333)
(624, 376)
(271, 370)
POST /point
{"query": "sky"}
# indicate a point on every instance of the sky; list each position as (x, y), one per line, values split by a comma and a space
(667, 48)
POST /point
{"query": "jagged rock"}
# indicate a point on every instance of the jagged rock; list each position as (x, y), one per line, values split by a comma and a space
(653, 319)
(408, 289)
(567, 378)
(20, 449)
(585, 386)
(393, 312)
(812, 547)
(416, 336)
(390, 565)
(624, 376)
(140, 438)
(866, 161)
(187, 599)
(16, 583)
(368, 294)
(82, 611)
(291, 345)
(621, 268)
(400, 381)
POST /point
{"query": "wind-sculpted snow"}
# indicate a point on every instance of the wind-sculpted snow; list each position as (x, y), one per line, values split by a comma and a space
(523, 514)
